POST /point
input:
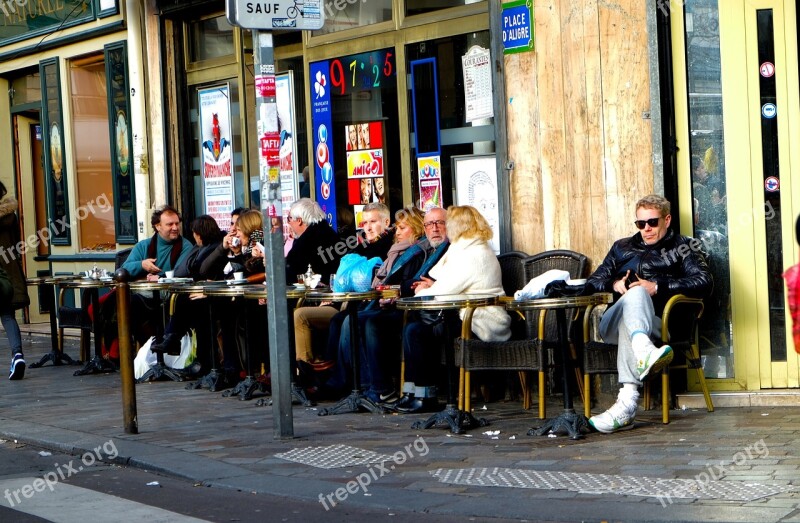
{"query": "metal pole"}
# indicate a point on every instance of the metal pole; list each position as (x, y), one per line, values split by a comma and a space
(129, 418)
(268, 163)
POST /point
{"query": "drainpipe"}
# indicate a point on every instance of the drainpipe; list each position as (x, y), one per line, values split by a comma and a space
(141, 169)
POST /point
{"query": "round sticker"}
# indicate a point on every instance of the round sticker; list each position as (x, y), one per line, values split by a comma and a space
(327, 173)
(322, 154)
(772, 184)
(322, 133)
(325, 189)
(769, 111)
(767, 69)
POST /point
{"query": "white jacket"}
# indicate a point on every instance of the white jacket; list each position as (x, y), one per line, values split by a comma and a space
(470, 267)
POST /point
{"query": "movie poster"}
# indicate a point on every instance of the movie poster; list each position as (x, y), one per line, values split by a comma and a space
(216, 152)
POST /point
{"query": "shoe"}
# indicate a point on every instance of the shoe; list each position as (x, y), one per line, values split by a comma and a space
(171, 344)
(418, 405)
(191, 370)
(618, 417)
(322, 365)
(654, 360)
(405, 401)
(17, 371)
(380, 398)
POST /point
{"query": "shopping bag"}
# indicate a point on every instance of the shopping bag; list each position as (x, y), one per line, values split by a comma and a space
(188, 352)
(144, 359)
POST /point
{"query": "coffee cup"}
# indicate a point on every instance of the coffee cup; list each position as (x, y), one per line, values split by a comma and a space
(238, 275)
(169, 274)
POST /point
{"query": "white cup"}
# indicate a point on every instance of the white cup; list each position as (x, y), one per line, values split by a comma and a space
(169, 274)
(238, 275)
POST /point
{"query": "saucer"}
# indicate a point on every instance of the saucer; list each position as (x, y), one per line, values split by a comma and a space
(235, 282)
(299, 285)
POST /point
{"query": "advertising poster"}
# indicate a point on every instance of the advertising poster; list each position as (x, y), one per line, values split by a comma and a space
(366, 182)
(429, 170)
(287, 153)
(216, 152)
(476, 185)
(320, 131)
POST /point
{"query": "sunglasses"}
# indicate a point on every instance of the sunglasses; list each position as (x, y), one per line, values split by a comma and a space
(652, 222)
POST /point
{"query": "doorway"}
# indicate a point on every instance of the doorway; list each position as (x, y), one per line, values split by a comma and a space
(738, 68)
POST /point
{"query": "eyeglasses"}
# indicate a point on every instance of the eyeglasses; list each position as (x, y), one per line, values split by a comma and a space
(652, 222)
(435, 223)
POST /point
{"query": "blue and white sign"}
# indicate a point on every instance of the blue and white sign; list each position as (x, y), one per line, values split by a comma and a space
(280, 14)
(772, 184)
(517, 21)
(769, 111)
(321, 117)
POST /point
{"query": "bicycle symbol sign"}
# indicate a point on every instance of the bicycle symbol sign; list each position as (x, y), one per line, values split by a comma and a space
(281, 14)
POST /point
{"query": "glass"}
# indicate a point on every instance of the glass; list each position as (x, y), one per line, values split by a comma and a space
(26, 89)
(435, 223)
(301, 278)
(340, 16)
(211, 38)
(332, 280)
(416, 7)
(707, 149)
(92, 144)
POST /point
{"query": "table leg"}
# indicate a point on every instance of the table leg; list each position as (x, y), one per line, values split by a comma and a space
(97, 364)
(246, 388)
(356, 400)
(160, 369)
(570, 422)
(214, 380)
(56, 354)
(458, 420)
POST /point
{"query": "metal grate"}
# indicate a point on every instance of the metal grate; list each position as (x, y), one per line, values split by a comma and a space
(663, 489)
(333, 456)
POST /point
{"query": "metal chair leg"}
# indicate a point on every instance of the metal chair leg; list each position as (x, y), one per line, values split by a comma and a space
(665, 398)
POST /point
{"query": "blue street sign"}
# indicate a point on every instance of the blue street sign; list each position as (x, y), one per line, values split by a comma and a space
(517, 21)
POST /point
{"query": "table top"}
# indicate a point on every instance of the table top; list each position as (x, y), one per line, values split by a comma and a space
(566, 302)
(87, 283)
(340, 297)
(51, 280)
(446, 301)
(259, 291)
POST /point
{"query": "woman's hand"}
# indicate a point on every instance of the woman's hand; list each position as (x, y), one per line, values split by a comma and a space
(424, 283)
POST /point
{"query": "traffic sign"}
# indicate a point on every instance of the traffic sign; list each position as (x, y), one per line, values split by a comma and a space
(278, 14)
(767, 69)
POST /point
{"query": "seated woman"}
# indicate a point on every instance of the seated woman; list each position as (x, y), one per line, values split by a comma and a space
(379, 321)
(189, 314)
(468, 266)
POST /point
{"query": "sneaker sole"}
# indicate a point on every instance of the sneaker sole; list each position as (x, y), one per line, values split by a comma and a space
(612, 431)
(660, 363)
(18, 371)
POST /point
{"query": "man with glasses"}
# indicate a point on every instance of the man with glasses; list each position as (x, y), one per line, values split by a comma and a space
(644, 272)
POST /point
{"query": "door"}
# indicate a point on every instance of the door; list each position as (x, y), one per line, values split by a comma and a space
(739, 69)
(33, 209)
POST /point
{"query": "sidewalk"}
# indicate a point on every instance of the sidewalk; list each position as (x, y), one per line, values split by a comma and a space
(730, 465)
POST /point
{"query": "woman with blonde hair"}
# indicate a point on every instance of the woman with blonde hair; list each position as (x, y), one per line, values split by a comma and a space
(468, 267)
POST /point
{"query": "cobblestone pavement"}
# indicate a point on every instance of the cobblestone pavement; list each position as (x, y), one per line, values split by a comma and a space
(731, 465)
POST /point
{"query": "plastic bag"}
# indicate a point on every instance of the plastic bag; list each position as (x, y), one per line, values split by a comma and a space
(355, 273)
(146, 358)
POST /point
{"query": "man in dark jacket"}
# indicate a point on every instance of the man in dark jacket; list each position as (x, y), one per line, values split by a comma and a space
(315, 242)
(644, 272)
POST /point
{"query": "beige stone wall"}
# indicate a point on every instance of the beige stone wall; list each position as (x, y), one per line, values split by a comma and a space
(582, 149)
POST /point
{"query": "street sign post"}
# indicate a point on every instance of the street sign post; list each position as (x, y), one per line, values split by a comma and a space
(262, 17)
(280, 14)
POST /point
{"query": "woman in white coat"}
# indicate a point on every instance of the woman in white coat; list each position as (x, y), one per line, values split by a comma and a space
(468, 267)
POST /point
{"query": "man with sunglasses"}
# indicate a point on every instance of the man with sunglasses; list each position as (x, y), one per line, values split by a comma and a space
(644, 272)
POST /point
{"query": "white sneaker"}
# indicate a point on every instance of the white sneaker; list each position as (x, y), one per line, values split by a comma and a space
(619, 417)
(653, 360)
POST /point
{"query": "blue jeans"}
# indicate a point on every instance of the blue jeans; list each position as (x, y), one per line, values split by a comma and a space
(12, 331)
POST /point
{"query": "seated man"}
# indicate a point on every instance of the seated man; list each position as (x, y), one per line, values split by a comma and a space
(644, 272)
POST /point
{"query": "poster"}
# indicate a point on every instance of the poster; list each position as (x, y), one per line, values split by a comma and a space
(476, 185)
(320, 131)
(216, 152)
(429, 171)
(477, 84)
(366, 182)
(287, 152)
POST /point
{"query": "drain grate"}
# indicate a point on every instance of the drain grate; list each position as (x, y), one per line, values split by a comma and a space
(333, 456)
(663, 489)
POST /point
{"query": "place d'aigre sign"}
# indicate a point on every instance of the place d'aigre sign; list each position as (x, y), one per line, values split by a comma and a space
(283, 14)
(517, 26)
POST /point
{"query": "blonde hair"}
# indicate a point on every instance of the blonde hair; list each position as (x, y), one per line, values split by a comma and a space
(249, 221)
(654, 201)
(464, 221)
(412, 217)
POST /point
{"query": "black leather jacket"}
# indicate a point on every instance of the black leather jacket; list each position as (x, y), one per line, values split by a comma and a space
(676, 263)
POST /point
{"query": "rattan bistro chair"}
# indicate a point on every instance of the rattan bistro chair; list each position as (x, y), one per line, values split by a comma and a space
(679, 330)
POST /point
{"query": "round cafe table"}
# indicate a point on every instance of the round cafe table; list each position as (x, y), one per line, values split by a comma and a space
(570, 422)
(56, 354)
(457, 419)
(90, 296)
(356, 400)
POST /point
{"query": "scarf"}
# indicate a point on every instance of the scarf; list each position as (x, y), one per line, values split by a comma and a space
(175, 253)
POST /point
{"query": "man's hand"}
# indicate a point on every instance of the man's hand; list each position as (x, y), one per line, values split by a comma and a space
(619, 285)
(150, 266)
(649, 286)
(152, 277)
(424, 283)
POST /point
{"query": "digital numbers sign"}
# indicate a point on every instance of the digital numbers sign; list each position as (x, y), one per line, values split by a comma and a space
(361, 72)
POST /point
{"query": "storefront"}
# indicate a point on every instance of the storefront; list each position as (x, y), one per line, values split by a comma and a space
(69, 131)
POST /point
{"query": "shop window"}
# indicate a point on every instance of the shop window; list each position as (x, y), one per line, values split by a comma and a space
(440, 61)
(345, 14)
(91, 143)
(26, 89)
(210, 38)
(418, 7)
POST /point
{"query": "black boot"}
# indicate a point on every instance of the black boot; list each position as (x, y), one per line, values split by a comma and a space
(171, 344)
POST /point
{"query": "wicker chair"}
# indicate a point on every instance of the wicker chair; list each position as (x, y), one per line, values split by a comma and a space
(521, 353)
(679, 329)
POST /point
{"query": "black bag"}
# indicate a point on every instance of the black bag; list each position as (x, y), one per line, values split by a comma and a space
(560, 289)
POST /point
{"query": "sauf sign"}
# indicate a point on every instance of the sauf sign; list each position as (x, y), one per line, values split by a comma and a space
(517, 26)
(283, 14)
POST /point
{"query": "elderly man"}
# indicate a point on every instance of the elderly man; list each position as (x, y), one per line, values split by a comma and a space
(644, 272)
(163, 251)
(377, 240)
(315, 242)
